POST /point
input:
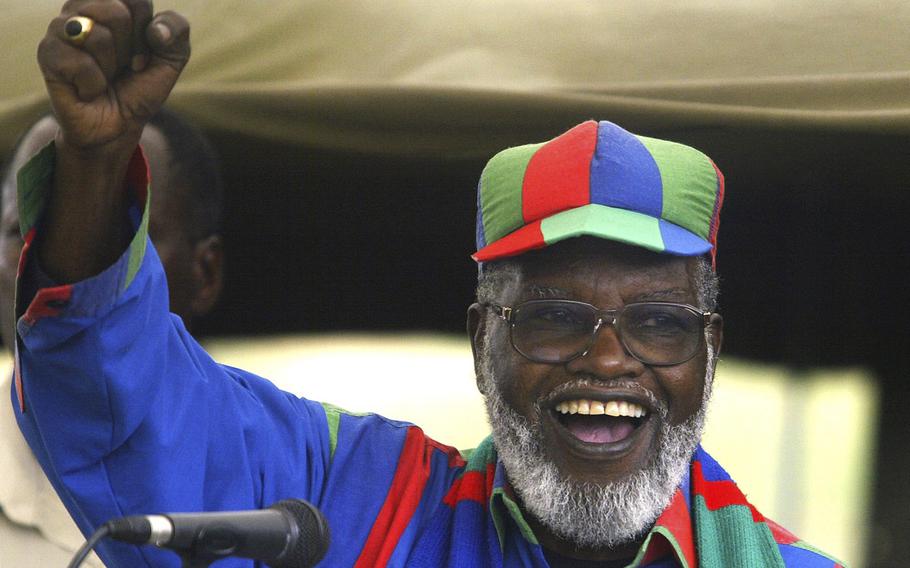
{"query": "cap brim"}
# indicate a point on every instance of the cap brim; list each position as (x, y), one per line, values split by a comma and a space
(600, 221)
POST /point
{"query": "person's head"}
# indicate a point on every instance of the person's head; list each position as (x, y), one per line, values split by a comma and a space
(184, 220)
(594, 330)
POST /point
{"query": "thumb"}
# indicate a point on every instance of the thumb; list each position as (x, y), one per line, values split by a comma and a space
(168, 38)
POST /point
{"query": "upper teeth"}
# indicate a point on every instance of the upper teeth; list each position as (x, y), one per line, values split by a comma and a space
(610, 408)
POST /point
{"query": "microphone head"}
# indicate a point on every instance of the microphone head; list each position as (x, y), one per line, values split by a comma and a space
(313, 540)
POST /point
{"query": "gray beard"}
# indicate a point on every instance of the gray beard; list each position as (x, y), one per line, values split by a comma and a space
(590, 515)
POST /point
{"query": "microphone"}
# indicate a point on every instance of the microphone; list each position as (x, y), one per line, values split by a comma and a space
(289, 534)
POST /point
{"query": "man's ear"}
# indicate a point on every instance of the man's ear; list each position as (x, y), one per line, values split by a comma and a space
(477, 333)
(208, 273)
(717, 333)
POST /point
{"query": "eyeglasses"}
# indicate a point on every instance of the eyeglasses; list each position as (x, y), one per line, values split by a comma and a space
(558, 331)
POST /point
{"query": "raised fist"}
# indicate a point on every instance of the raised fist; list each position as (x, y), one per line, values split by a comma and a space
(107, 75)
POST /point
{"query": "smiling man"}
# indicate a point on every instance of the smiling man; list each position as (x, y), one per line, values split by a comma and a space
(594, 336)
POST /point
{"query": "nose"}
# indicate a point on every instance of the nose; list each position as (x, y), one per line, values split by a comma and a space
(607, 357)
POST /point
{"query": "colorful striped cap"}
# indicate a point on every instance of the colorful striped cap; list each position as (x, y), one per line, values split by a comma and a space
(599, 180)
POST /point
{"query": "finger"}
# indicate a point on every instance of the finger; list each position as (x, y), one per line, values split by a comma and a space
(113, 15)
(142, 12)
(97, 44)
(168, 38)
(70, 72)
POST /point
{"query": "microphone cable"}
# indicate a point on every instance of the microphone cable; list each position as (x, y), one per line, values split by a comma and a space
(86, 548)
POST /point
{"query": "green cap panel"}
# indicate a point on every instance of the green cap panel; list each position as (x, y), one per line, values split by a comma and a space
(605, 222)
(502, 208)
(689, 184)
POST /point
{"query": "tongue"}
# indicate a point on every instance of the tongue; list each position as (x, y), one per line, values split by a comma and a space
(599, 429)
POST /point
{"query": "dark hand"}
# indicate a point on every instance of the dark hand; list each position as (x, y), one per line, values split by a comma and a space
(105, 90)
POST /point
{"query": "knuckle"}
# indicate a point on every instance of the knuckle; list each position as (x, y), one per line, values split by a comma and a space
(50, 54)
(112, 14)
(98, 44)
(101, 46)
(44, 49)
(100, 35)
(120, 15)
(55, 26)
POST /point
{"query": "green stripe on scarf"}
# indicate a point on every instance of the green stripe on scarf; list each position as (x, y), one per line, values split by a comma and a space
(728, 537)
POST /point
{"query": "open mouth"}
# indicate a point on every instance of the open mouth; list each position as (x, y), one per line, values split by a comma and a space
(600, 421)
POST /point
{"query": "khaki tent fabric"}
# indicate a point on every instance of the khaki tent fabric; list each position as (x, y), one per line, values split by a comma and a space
(462, 76)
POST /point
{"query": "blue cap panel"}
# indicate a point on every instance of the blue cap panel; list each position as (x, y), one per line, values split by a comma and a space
(681, 241)
(623, 172)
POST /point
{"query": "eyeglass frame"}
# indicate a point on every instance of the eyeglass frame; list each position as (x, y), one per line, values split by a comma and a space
(505, 313)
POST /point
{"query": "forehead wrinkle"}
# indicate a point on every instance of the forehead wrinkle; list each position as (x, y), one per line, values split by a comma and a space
(663, 295)
(666, 295)
(546, 291)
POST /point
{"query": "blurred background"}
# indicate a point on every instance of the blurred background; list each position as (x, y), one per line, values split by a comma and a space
(353, 134)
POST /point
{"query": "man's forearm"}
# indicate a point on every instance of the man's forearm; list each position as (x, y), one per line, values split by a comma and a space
(86, 226)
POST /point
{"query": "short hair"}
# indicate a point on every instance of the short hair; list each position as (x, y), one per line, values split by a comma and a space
(193, 159)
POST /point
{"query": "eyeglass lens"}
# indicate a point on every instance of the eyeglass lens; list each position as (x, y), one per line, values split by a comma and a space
(560, 330)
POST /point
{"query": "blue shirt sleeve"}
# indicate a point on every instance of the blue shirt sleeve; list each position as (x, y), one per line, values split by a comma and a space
(129, 415)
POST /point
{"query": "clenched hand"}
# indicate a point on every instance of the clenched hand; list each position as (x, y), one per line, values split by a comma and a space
(103, 91)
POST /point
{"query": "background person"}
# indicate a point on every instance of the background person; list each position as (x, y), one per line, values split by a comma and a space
(35, 528)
